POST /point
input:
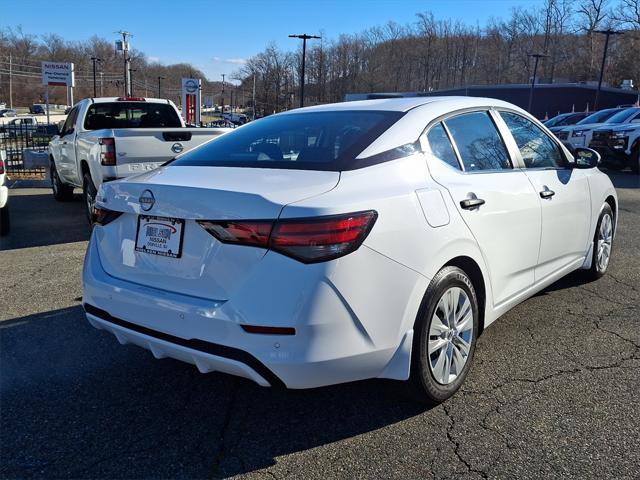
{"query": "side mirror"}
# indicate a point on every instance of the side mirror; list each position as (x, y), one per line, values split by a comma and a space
(586, 157)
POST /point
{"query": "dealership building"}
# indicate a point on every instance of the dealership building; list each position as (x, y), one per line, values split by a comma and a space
(548, 100)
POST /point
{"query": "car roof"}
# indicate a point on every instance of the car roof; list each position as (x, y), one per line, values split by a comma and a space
(405, 104)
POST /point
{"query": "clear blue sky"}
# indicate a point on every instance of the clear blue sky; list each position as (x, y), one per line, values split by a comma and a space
(216, 36)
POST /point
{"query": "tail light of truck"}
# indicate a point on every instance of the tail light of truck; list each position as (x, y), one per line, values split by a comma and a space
(308, 240)
(107, 151)
(1, 166)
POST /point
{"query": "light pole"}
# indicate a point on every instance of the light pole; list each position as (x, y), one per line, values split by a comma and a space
(222, 99)
(607, 34)
(304, 38)
(537, 56)
(160, 78)
(95, 60)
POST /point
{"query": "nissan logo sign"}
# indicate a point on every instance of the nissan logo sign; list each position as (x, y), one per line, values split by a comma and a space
(177, 148)
(146, 200)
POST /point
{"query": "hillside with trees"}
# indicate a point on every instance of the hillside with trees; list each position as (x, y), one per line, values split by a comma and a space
(425, 55)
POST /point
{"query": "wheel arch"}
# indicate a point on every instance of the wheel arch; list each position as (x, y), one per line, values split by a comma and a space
(473, 270)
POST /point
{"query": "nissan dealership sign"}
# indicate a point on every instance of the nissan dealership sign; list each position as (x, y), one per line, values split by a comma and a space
(58, 74)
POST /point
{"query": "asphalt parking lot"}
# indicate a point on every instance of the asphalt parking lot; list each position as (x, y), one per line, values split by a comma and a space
(553, 391)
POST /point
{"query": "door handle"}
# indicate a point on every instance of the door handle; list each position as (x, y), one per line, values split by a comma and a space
(471, 203)
(64, 143)
(547, 193)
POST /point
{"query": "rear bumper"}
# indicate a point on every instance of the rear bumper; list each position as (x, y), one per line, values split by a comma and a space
(4, 195)
(333, 343)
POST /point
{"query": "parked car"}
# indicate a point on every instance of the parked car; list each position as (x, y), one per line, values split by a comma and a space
(235, 118)
(20, 127)
(37, 109)
(579, 135)
(7, 112)
(349, 241)
(104, 139)
(619, 146)
(4, 197)
(558, 122)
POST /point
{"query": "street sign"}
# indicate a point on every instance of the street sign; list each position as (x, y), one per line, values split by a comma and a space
(54, 73)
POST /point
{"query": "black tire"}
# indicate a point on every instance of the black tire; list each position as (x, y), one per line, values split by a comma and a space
(5, 224)
(598, 269)
(635, 160)
(61, 192)
(423, 383)
(89, 192)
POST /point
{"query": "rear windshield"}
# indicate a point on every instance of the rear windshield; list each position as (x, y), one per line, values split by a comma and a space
(305, 141)
(131, 115)
(598, 117)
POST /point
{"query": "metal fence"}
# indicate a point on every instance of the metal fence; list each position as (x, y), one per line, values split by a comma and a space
(16, 140)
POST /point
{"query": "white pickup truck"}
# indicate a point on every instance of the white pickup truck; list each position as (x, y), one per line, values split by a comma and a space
(104, 139)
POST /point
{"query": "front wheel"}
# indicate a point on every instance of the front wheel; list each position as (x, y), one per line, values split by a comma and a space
(89, 192)
(445, 336)
(602, 243)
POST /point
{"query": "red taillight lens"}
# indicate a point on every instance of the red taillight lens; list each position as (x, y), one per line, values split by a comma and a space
(241, 233)
(103, 216)
(1, 166)
(107, 151)
(308, 240)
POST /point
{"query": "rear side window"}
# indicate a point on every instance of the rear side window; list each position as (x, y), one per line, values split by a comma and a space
(305, 141)
(441, 146)
(536, 148)
(131, 115)
(479, 143)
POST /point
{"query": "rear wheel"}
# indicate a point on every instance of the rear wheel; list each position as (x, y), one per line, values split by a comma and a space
(89, 192)
(61, 192)
(602, 243)
(4, 221)
(445, 336)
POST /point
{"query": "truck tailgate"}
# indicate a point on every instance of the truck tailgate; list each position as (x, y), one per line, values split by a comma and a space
(142, 149)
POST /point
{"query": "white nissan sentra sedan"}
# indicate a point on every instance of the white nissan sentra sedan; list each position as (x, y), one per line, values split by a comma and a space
(372, 239)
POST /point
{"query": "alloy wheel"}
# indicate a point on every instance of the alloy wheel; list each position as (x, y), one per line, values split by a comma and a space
(605, 237)
(450, 335)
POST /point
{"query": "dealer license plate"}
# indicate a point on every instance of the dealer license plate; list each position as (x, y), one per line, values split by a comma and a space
(160, 236)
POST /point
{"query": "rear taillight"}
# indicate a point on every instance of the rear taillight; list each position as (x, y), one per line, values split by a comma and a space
(1, 166)
(103, 216)
(107, 151)
(308, 240)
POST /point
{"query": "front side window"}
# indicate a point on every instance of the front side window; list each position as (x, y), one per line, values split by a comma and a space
(69, 122)
(536, 148)
(478, 141)
(304, 141)
(441, 146)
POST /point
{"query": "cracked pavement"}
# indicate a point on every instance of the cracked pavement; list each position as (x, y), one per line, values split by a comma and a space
(553, 391)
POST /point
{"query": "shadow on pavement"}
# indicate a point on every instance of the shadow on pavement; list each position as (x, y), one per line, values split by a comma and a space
(75, 404)
(38, 220)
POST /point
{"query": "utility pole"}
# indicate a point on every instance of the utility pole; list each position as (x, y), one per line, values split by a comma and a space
(537, 56)
(102, 84)
(10, 82)
(125, 52)
(607, 34)
(304, 38)
(222, 99)
(131, 81)
(159, 80)
(95, 60)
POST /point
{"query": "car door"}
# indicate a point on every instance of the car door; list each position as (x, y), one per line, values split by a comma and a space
(495, 200)
(563, 195)
(66, 162)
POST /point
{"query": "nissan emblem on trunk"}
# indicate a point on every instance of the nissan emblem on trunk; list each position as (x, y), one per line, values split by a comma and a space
(146, 200)
(177, 148)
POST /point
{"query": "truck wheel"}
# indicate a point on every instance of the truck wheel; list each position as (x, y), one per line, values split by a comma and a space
(635, 160)
(61, 192)
(4, 221)
(89, 192)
